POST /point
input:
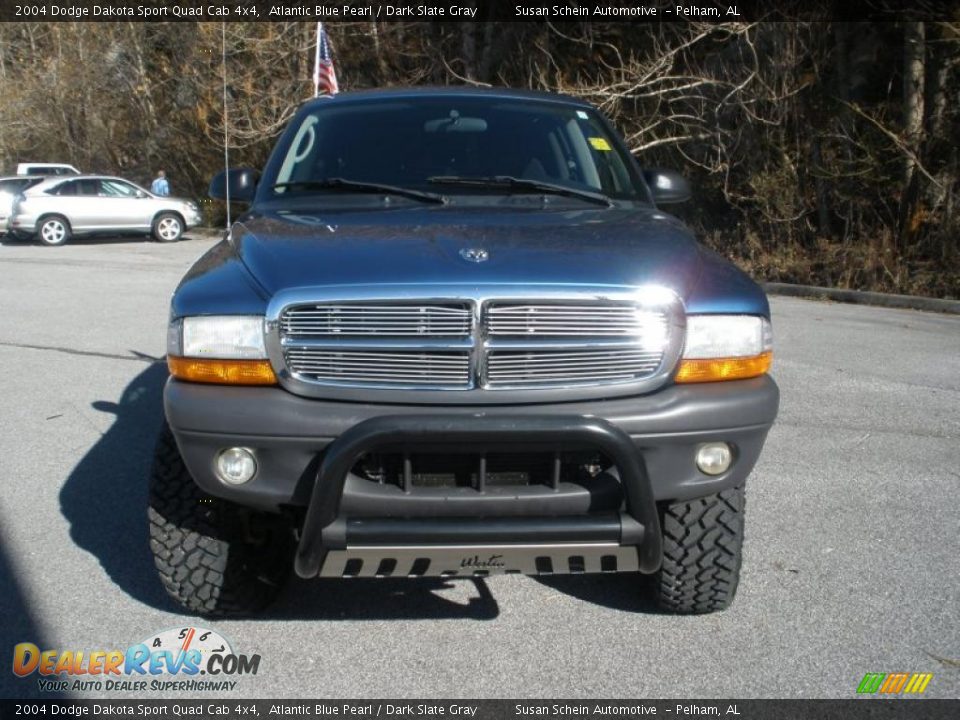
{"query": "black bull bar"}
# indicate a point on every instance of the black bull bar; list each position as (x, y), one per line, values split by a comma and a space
(324, 530)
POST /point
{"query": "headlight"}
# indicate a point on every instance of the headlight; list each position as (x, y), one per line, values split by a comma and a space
(223, 336)
(725, 347)
(226, 349)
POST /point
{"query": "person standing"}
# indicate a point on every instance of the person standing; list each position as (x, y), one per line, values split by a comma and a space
(160, 186)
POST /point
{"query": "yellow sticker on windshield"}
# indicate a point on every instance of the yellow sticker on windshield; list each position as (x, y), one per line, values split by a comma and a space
(599, 143)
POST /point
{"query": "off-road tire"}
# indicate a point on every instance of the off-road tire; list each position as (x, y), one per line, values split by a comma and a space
(702, 553)
(214, 558)
(53, 231)
(167, 227)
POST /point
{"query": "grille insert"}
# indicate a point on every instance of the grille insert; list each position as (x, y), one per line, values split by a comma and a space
(385, 320)
(567, 320)
(397, 369)
(553, 367)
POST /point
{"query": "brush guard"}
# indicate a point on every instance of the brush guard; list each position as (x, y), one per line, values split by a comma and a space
(334, 545)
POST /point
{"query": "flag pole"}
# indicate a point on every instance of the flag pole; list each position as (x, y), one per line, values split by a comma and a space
(226, 123)
(316, 62)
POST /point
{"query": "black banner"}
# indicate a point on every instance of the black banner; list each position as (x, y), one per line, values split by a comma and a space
(875, 709)
(474, 10)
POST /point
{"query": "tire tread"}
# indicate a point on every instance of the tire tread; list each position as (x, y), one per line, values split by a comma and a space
(702, 553)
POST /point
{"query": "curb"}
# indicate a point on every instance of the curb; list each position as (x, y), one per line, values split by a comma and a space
(861, 297)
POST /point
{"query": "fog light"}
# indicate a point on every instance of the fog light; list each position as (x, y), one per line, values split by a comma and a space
(236, 466)
(714, 458)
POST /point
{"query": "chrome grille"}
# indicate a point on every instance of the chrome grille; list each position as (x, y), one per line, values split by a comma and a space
(380, 368)
(563, 367)
(566, 320)
(493, 343)
(388, 320)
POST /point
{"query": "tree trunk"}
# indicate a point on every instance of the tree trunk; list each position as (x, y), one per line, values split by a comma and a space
(913, 56)
(913, 66)
(823, 194)
(469, 50)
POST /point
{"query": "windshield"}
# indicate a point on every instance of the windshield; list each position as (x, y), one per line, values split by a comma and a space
(417, 144)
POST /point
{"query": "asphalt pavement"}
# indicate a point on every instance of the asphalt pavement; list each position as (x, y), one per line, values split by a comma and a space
(852, 558)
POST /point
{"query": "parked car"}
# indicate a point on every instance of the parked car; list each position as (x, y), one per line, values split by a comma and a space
(478, 348)
(10, 187)
(46, 169)
(59, 208)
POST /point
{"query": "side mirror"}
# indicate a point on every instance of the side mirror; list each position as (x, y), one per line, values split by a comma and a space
(242, 183)
(667, 186)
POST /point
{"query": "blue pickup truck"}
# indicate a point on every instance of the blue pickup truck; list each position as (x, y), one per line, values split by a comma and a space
(455, 335)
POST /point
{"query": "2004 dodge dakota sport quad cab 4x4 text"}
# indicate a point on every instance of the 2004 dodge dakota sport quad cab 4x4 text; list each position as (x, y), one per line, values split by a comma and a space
(454, 335)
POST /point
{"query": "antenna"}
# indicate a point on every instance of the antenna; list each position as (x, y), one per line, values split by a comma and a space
(226, 128)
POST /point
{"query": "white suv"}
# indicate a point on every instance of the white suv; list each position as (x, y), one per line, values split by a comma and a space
(54, 210)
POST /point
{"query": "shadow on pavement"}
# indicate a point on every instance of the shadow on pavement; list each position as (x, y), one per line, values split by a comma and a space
(627, 592)
(17, 625)
(105, 501)
(105, 496)
(381, 599)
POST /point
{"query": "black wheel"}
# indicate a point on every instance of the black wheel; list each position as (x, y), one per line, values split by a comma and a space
(53, 230)
(167, 227)
(214, 558)
(702, 553)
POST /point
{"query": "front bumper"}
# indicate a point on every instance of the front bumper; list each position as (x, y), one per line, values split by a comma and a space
(305, 449)
(290, 433)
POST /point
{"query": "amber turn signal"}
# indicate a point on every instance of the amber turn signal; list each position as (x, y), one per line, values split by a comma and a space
(223, 372)
(712, 370)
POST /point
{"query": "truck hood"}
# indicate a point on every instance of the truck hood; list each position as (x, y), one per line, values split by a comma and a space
(619, 246)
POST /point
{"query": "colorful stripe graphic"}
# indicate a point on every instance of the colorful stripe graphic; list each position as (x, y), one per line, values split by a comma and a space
(893, 683)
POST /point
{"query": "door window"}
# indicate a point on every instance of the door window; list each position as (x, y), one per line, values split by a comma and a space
(76, 187)
(117, 188)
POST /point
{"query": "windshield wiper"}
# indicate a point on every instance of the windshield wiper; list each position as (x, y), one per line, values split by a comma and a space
(338, 183)
(521, 184)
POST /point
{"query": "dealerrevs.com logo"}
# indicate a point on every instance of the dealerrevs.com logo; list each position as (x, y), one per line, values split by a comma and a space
(188, 659)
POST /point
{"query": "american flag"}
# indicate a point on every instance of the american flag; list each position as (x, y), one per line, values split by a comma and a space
(324, 75)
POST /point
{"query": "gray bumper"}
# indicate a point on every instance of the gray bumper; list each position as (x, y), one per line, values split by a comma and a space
(290, 433)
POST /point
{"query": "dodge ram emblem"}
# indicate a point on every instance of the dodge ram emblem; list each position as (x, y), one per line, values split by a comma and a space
(477, 255)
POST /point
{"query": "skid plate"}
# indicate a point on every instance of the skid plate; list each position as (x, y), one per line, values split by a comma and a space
(472, 560)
